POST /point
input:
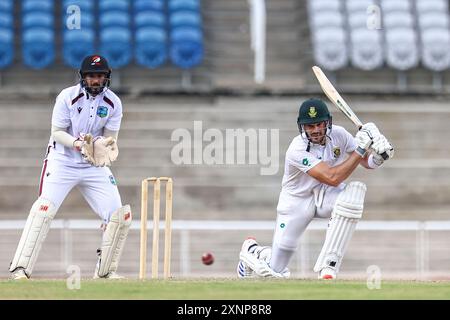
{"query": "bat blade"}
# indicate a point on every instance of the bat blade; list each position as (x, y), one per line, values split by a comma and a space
(337, 100)
(335, 97)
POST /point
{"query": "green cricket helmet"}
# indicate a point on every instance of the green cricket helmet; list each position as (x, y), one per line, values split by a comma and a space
(313, 111)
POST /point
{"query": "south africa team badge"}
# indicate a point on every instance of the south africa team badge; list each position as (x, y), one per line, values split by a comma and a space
(336, 152)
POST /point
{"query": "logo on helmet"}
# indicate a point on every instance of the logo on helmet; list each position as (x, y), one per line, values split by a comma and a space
(312, 112)
(95, 61)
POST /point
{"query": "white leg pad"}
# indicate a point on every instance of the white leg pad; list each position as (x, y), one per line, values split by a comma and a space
(347, 212)
(36, 228)
(114, 240)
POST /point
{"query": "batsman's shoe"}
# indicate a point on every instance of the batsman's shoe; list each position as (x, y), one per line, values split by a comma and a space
(19, 274)
(257, 258)
(243, 270)
(249, 245)
(327, 274)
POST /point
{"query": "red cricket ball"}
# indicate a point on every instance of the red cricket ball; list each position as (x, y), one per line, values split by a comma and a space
(207, 258)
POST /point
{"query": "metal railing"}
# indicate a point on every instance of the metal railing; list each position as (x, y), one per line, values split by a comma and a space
(411, 249)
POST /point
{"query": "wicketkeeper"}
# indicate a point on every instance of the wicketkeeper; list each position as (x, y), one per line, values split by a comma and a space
(83, 144)
(318, 161)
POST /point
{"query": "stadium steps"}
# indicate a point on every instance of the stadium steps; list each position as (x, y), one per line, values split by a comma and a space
(413, 182)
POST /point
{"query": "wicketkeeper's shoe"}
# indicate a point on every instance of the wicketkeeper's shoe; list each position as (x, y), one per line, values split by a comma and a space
(19, 274)
(111, 275)
(327, 274)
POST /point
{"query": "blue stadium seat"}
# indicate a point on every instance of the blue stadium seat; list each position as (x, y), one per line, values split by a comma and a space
(108, 5)
(6, 20)
(38, 47)
(185, 19)
(115, 45)
(151, 47)
(145, 5)
(77, 44)
(6, 47)
(186, 48)
(6, 6)
(37, 5)
(176, 5)
(149, 19)
(114, 19)
(38, 19)
(85, 5)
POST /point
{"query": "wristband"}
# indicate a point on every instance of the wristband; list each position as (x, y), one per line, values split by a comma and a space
(73, 144)
(373, 163)
(361, 151)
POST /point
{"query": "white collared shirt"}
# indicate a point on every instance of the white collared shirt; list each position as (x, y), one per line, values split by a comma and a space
(82, 113)
(300, 159)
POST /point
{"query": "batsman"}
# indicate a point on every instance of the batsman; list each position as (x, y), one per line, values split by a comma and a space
(318, 161)
(83, 144)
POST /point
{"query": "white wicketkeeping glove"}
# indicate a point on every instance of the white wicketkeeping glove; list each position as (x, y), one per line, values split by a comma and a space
(87, 148)
(99, 151)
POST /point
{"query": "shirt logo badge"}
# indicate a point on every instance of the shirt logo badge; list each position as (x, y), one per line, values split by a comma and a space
(305, 162)
(336, 152)
(79, 109)
(312, 112)
(102, 112)
(112, 180)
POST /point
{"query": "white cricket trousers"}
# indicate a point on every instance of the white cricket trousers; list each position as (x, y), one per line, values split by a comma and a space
(294, 214)
(96, 184)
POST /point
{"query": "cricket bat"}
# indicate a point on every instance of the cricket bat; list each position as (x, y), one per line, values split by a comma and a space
(337, 100)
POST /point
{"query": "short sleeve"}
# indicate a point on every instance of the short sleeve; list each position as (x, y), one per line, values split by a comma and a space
(302, 159)
(350, 142)
(61, 113)
(114, 121)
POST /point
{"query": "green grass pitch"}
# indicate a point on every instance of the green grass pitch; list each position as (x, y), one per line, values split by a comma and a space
(223, 289)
